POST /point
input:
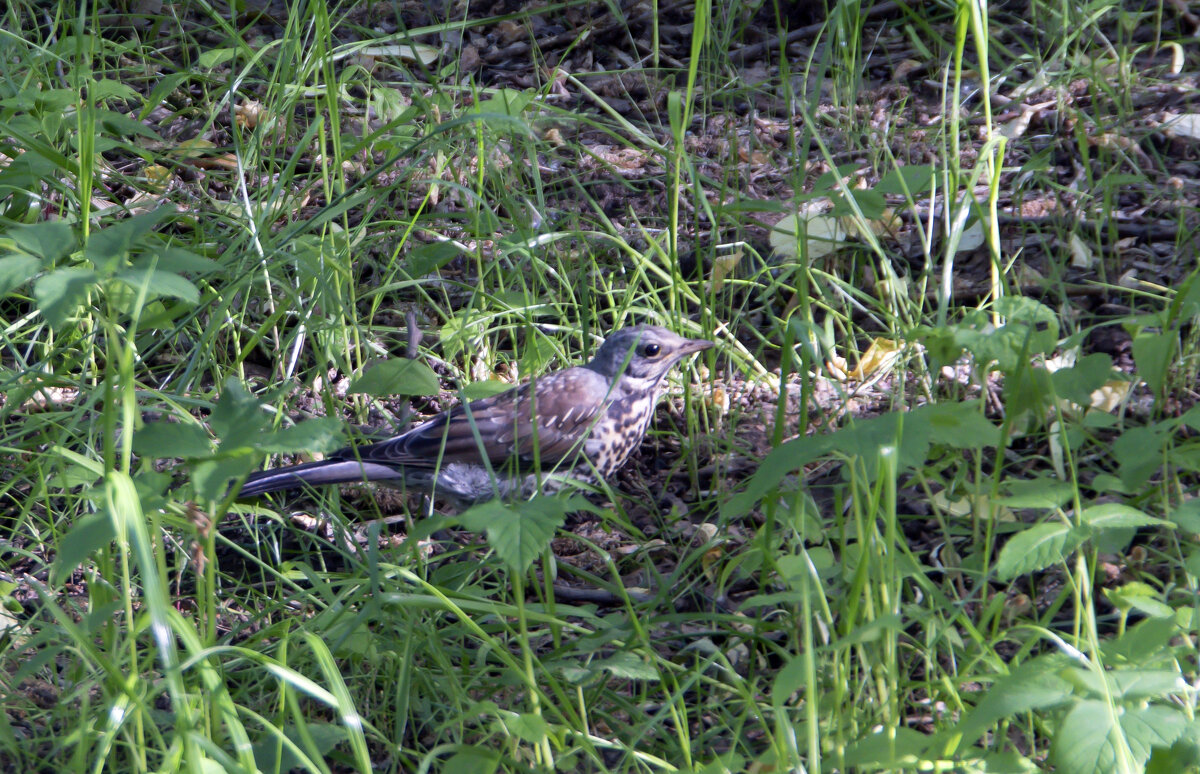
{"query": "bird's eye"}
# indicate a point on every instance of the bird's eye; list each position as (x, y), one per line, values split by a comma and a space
(650, 350)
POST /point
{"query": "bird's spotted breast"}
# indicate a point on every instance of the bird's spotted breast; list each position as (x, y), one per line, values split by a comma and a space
(617, 434)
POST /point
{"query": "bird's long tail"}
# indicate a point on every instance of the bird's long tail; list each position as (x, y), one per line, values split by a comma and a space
(316, 474)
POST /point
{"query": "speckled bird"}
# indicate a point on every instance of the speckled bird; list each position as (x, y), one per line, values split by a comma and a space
(583, 422)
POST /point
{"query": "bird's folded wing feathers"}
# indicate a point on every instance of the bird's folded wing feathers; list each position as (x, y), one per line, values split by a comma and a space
(565, 405)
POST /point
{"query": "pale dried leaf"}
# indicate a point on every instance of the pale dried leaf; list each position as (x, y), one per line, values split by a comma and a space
(1082, 256)
(882, 353)
(1184, 125)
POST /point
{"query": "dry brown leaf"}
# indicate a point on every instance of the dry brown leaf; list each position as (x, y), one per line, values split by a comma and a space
(723, 265)
(157, 177)
(248, 114)
(882, 354)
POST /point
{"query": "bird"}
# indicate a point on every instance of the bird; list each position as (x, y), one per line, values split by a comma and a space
(580, 423)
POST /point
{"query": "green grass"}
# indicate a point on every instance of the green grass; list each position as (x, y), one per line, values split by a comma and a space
(944, 562)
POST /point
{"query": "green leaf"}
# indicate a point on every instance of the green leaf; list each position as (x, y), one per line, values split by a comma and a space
(215, 57)
(172, 439)
(959, 425)
(107, 247)
(399, 376)
(781, 462)
(629, 666)
(237, 419)
(1153, 354)
(88, 534)
(178, 261)
(324, 434)
(1187, 516)
(428, 258)
(473, 760)
(102, 89)
(1035, 493)
(49, 240)
(16, 270)
(1113, 515)
(787, 681)
(882, 751)
(1077, 383)
(1036, 548)
(1141, 642)
(916, 178)
(527, 727)
(1137, 595)
(271, 755)
(159, 283)
(1139, 684)
(485, 389)
(1090, 736)
(518, 533)
(1032, 686)
(508, 102)
(60, 293)
(1138, 453)
(210, 478)
(1183, 755)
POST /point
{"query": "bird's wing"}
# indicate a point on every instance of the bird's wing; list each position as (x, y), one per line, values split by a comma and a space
(553, 415)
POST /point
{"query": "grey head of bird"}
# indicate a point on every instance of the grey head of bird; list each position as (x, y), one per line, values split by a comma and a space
(644, 353)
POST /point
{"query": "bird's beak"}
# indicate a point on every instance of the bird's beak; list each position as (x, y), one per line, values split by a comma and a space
(695, 345)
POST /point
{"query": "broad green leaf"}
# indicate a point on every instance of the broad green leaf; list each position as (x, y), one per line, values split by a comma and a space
(102, 89)
(49, 240)
(1153, 354)
(323, 434)
(273, 754)
(426, 259)
(16, 270)
(1127, 684)
(159, 283)
(881, 751)
(1137, 595)
(1092, 736)
(60, 293)
(1034, 685)
(398, 376)
(959, 425)
(215, 57)
(916, 178)
(781, 462)
(237, 419)
(527, 727)
(1141, 642)
(473, 760)
(1183, 755)
(787, 681)
(1036, 548)
(88, 534)
(518, 533)
(211, 478)
(629, 666)
(1138, 684)
(1187, 516)
(107, 247)
(1113, 515)
(1035, 493)
(172, 439)
(507, 102)
(1138, 452)
(1077, 383)
(484, 389)
(178, 261)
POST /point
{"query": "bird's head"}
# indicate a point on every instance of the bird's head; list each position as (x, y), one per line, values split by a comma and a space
(643, 352)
